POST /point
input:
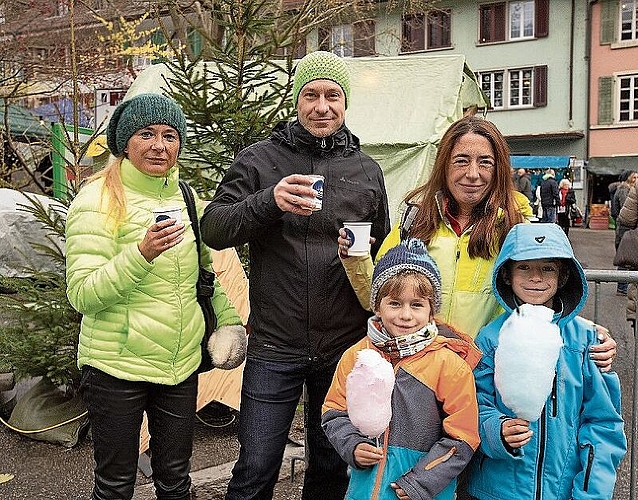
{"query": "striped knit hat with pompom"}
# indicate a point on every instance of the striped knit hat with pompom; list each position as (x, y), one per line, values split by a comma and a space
(410, 255)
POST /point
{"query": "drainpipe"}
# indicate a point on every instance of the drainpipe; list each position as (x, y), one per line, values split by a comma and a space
(588, 35)
(571, 64)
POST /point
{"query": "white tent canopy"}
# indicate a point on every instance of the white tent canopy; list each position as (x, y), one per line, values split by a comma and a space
(400, 107)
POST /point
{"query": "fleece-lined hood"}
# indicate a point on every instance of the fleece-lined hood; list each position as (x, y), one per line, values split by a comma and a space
(541, 241)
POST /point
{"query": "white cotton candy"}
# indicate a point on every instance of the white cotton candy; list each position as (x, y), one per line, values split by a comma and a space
(525, 360)
(369, 393)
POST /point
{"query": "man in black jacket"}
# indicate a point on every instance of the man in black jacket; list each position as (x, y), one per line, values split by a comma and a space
(550, 197)
(304, 312)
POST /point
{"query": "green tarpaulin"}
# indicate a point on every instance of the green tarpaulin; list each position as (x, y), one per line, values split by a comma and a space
(22, 122)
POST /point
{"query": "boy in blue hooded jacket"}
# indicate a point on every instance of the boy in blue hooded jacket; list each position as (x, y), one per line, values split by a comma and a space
(553, 433)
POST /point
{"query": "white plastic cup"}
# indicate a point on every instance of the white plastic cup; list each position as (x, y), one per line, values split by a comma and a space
(317, 185)
(359, 236)
(163, 213)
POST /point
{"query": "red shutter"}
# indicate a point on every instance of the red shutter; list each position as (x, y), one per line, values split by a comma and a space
(540, 86)
(363, 38)
(413, 33)
(324, 39)
(439, 29)
(492, 22)
(541, 23)
(500, 22)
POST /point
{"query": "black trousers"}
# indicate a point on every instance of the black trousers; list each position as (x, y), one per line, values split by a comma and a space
(116, 408)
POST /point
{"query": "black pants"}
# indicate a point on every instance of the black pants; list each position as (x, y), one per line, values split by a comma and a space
(564, 221)
(116, 408)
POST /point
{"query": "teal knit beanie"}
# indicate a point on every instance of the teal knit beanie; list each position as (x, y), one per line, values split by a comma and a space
(139, 112)
(321, 65)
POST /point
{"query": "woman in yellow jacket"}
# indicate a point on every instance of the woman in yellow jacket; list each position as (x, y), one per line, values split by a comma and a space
(463, 213)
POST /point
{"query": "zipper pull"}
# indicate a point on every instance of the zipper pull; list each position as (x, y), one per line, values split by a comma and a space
(323, 143)
(458, 254)
(165, 181)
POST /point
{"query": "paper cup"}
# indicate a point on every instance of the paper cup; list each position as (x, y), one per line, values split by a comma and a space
(163, 213)
(317, 185)
(359, 236)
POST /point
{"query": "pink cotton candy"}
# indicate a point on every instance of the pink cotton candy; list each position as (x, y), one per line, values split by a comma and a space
(369, 393)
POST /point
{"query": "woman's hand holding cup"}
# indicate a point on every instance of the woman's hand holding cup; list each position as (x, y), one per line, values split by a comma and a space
(346, 236)
(160, 237)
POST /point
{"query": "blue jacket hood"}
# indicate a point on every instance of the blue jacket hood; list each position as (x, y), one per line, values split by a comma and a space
(541, 241)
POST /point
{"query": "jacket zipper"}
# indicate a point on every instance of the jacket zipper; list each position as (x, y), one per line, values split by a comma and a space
(590, 463)
(554, 397)
(541, 456)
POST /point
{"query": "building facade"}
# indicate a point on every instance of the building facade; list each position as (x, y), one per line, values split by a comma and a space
(613, 96)
(530, 57)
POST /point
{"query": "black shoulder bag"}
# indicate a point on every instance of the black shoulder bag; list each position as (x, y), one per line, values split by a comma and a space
(205, 281)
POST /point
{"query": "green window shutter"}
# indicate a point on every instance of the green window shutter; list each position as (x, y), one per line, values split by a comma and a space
(158, 38)
(605, 100)
(194, 41)
(608, 18)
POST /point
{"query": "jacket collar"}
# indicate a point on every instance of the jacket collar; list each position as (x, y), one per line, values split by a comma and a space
(294, 135)
(147, 184)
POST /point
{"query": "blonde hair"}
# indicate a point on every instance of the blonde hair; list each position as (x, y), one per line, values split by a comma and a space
(112, 190)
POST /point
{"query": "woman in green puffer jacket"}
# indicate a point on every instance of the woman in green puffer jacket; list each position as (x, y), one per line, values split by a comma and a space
(133, 278)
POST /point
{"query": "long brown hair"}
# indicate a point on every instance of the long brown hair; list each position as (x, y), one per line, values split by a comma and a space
(488, 232)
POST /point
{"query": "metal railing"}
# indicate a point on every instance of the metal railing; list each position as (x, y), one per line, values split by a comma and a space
(608, 276)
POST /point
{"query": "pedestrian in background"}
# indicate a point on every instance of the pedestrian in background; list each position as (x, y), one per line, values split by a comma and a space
(628, 219)
(304, 314)
(523, 184)
(550, 197)
(133, 279)
(566, 204)
(628, 179)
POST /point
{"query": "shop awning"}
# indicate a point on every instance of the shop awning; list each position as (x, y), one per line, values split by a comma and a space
(539, 162)
(611, 165)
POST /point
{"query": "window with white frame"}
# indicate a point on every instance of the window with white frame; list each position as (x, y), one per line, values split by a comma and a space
(492, 84)
(628, 98)
(61, 8)
(515, 88)
(520, 87)
(521, 17)
(629, 20)
(341, 40)
(349, 40)
(515, 20)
